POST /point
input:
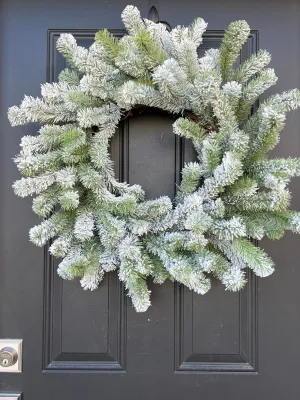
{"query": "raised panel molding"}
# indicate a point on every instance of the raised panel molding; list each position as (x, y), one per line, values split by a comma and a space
(54, 358)
(245, 360)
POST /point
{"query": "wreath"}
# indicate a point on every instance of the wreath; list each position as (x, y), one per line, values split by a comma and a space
(233, 195)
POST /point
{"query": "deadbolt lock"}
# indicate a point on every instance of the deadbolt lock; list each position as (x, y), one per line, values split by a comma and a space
(8, 357)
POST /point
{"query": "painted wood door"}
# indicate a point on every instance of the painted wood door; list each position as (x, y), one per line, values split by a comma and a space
(93, 345)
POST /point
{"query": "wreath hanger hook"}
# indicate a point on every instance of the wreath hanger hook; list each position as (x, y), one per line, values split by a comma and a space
(154, 16)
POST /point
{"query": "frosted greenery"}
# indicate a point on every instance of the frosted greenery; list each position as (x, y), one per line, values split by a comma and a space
(233, 194)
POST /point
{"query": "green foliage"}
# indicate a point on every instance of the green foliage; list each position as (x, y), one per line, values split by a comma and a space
(270, 224)
(69, 200)
(235, 36)
(44, 203)
(211, 153)
(251, 66)
(243, 187)
(253, 256)
(110, 43)
(191, 130)
(276, 200)
(191, 175)
(76, 99)
(225, 114)
(267, 136)
(275, 172)
(75, 55)
(253, 90)
(152, 51)
(69, 77)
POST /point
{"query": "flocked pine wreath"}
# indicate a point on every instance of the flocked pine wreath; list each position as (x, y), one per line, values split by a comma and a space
(233, 194)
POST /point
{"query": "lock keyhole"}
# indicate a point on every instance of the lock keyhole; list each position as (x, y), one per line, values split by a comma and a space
(8, 357)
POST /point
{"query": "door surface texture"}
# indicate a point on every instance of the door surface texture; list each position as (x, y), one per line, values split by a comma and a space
(81, 345)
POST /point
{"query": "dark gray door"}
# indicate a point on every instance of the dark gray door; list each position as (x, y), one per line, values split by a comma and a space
(93, 345)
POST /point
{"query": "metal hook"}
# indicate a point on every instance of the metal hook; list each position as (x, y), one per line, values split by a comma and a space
(154, 16)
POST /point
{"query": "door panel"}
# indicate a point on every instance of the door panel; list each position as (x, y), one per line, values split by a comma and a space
(216, 332)
(86, 345)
